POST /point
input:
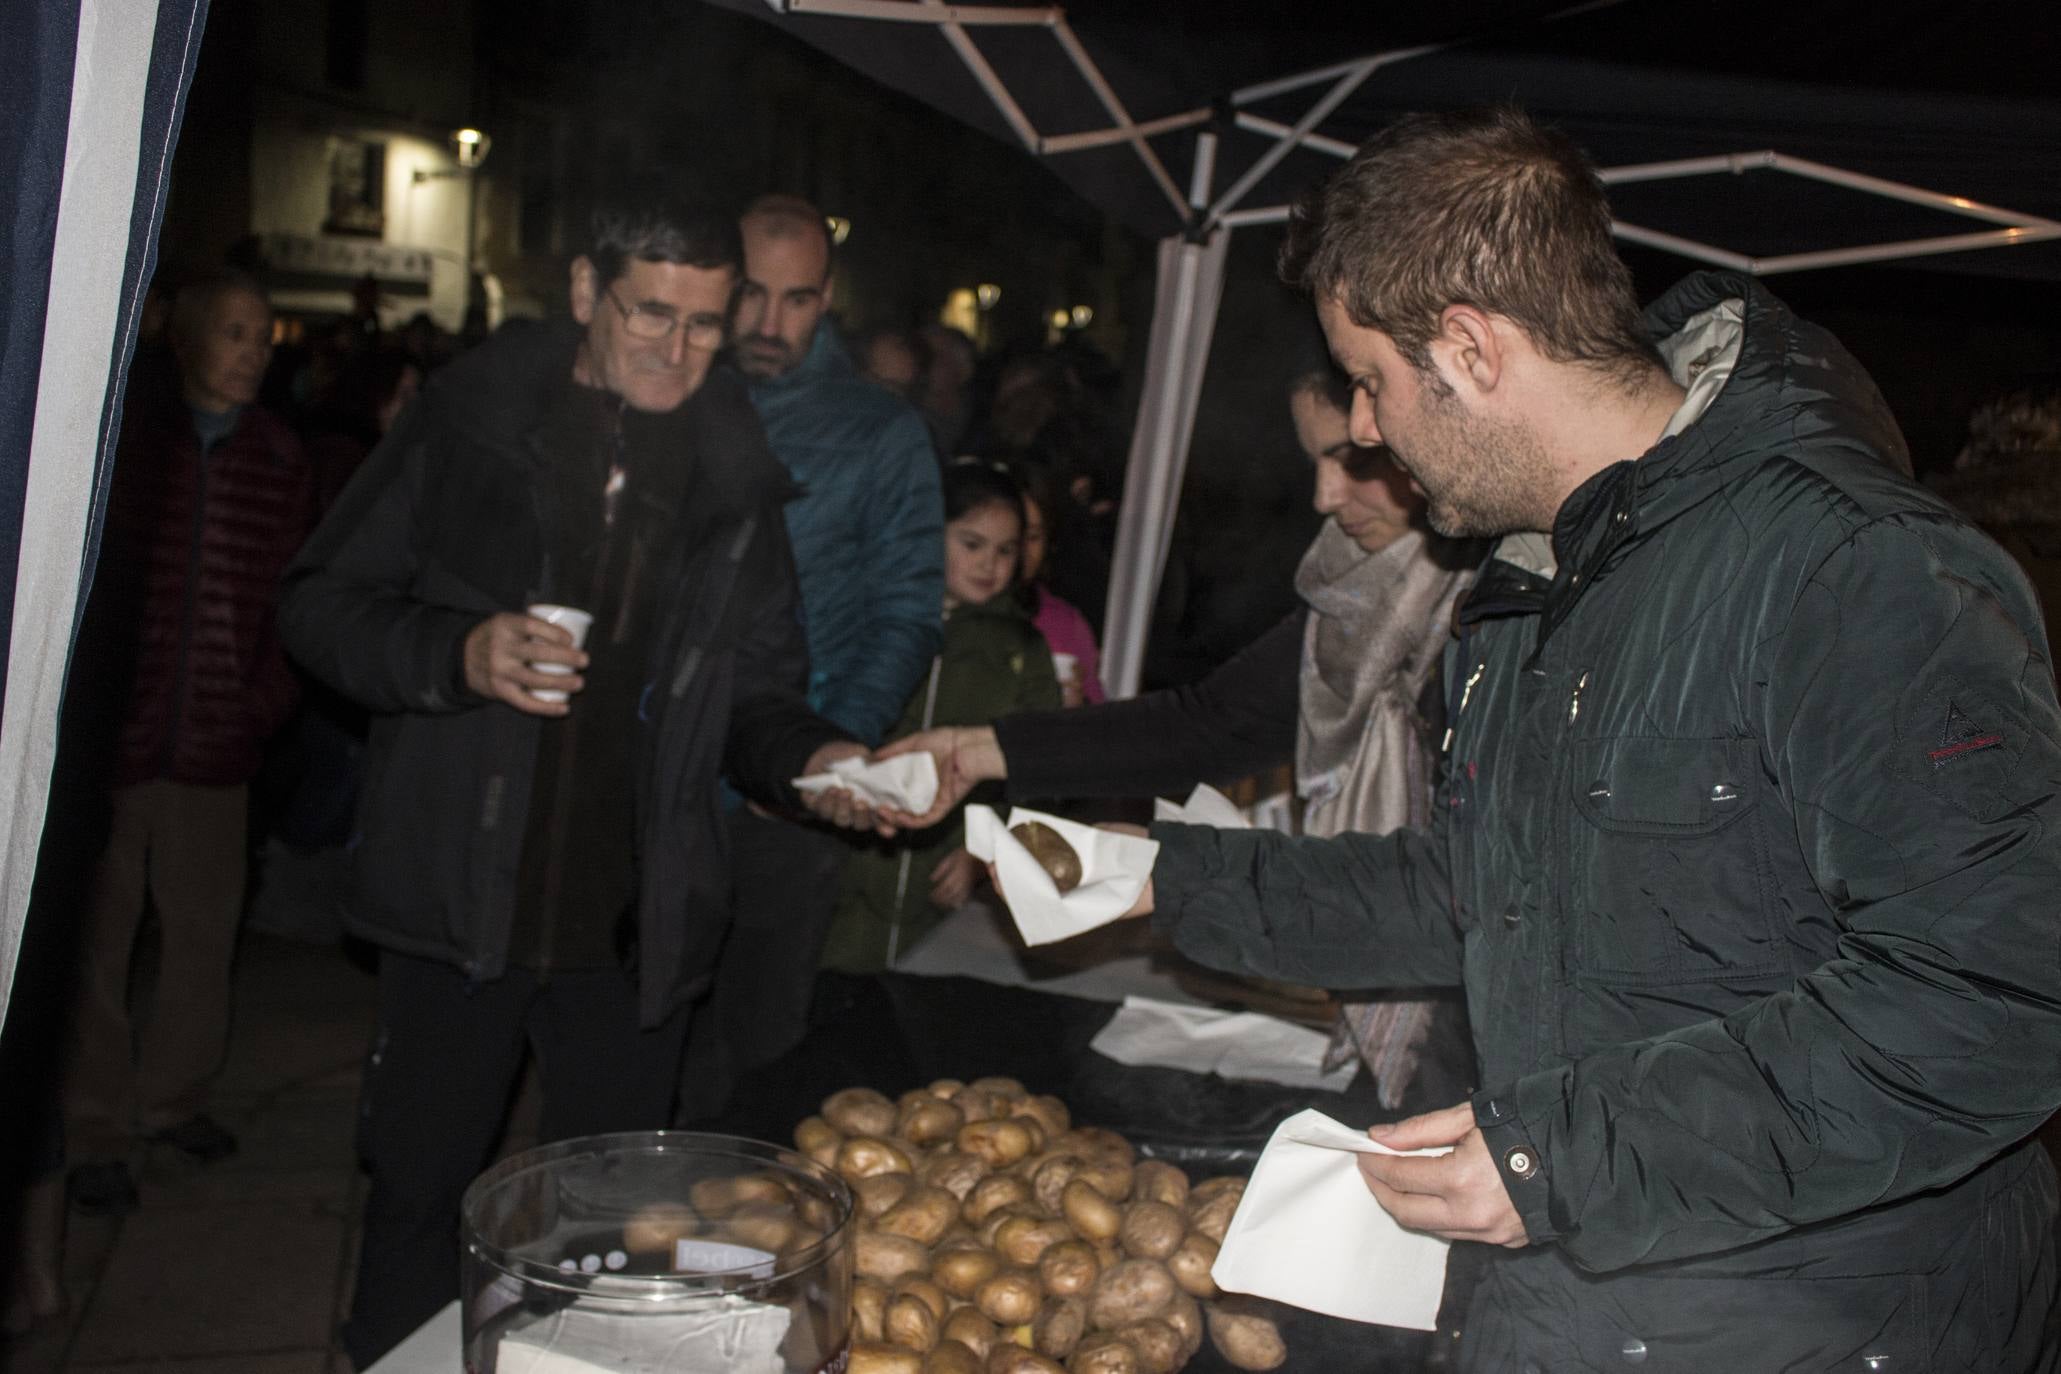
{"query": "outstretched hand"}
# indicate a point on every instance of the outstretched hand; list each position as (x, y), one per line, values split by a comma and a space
(837, 805)
(1459, 1196)
(966, 756)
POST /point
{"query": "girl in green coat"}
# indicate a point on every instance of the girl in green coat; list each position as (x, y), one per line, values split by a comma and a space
(993, 662)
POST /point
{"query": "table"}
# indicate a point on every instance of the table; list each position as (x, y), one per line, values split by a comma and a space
(898, 1031)
(433, 1349)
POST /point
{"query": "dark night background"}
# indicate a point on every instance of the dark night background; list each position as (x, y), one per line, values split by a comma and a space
(732, 107)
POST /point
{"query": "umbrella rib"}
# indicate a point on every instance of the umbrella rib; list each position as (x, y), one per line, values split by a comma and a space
(1355, 75)
(1274, 128)
(903, 12)
(1150, 128)
(1070, 44)
(998, 94)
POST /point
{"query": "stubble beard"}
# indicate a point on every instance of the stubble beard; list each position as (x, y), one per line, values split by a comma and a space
(763, 359)
(1489, 473)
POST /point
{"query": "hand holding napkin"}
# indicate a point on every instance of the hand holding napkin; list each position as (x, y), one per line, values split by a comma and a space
(1308, 1233)
(1114, 870)
(907, 782)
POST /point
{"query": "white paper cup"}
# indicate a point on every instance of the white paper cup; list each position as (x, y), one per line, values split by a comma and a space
(567, 617)
(1067, 667)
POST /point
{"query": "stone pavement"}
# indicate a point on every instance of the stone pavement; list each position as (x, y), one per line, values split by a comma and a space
(240, 1267)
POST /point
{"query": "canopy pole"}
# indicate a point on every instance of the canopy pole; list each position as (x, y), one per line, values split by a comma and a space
(1204, 173)
(998, 94)
(1675, 243)
(1102, 138)
(1274, 128)
(1908, 248)
(1070, 44)
(902, 12)
(1184, 311)
(1317, 114)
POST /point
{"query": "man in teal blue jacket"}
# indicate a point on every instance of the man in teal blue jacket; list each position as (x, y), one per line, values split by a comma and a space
(868, 536)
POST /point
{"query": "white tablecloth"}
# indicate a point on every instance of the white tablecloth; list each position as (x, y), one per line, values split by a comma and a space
(435, 1348)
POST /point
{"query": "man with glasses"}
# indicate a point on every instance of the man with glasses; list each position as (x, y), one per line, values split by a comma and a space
(869, 546)
(539, 853)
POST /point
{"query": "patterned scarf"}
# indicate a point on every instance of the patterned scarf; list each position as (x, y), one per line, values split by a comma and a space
(1364, 753)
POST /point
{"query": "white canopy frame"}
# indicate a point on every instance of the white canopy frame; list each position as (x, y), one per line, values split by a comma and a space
(1191, 264)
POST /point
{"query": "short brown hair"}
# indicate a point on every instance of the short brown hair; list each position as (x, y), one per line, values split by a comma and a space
(1326, 384)
(1482, 208)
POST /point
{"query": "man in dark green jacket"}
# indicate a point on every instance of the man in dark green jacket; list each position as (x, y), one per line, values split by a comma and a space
(1749, 849)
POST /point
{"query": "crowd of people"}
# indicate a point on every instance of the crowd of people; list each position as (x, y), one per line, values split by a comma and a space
(317, 572)
(1639, 705)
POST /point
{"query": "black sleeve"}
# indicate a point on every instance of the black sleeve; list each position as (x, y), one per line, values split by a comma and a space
(1351, 911)
(772, 731)
(1238, 721)
(347, 613)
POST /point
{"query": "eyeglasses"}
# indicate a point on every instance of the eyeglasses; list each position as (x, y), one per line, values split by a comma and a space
(655, 322)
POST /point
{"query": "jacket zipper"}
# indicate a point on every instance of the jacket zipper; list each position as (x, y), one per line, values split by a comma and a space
(568, 740)
(1555, 973)
(1466, 691)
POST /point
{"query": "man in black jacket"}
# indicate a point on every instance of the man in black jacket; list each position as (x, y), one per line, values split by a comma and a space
(548, 870)
(1749, 838)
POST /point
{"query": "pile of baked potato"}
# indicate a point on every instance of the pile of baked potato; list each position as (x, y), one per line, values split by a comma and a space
(994, 1236)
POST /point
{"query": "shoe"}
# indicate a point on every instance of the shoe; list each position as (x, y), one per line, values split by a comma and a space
(102, 1190)
(199, 1137)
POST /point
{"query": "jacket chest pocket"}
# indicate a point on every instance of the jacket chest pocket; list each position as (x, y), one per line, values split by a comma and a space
(1667, 874)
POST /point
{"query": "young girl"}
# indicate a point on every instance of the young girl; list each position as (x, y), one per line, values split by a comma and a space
(993, 662)
(1066, 630)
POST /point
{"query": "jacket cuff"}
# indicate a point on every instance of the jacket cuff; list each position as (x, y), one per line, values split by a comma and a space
(1518, 1143)
(1182, 866)
(458, 692)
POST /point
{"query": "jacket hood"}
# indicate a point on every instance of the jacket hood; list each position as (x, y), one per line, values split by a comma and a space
(2022, 492)
(1789, 390)
(499, 394)
(1793, 388)
(1771, 387)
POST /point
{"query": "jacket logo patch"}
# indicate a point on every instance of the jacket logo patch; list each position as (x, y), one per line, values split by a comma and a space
(1961, 737)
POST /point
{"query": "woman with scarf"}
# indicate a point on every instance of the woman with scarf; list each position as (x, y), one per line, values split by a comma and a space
(1349, 688)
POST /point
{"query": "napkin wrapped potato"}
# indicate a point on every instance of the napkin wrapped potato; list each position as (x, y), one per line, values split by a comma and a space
(1062, 864)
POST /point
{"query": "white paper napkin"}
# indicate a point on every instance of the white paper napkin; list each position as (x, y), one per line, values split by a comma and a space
(1235, 1044)
(1205, 806)
(907, 782)
(734, 1336)
(1308, 1233)
(1114, 869)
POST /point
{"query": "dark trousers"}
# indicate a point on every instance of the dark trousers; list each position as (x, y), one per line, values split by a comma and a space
(183, 847)
(783, 889)
(437, 1089)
